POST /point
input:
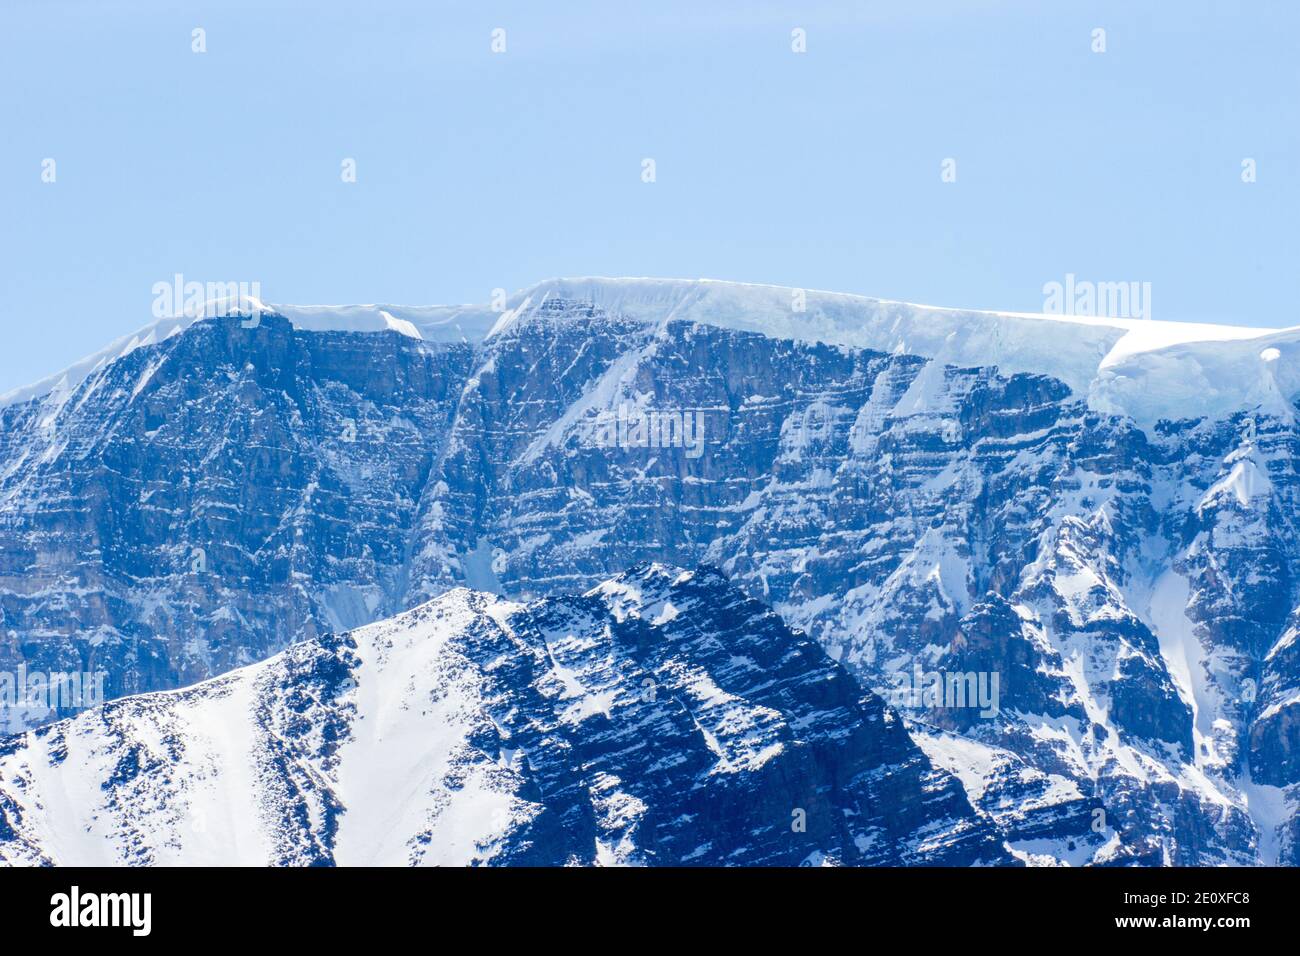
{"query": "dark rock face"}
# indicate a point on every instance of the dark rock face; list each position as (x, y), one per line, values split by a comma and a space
(661, 719)
(1275, 730)
(205, 501)
(743, 741)
(1134, 593)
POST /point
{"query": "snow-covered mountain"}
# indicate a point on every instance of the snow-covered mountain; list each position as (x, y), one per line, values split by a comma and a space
(1144, 369)
(660, 719)
(1099, 512)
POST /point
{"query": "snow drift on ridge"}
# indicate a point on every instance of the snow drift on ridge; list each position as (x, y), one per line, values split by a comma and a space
(1145, 369)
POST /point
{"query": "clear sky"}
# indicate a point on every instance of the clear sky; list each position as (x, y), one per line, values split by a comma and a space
(477, 170)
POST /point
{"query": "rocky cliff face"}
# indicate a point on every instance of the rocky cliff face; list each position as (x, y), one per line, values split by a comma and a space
(203, 502)
(660, 719)
(200, 503)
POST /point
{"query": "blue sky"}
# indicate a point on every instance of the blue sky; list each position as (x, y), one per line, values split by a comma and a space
(478, 170)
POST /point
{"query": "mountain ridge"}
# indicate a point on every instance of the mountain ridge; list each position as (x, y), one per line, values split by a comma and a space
(470, 730)
(1109, 360)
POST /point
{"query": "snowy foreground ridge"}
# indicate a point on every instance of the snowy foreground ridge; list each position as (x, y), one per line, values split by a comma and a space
(375, 584)
(1144, 369)
(660, 719)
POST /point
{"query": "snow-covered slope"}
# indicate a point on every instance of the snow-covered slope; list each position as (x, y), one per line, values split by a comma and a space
(660, 719)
